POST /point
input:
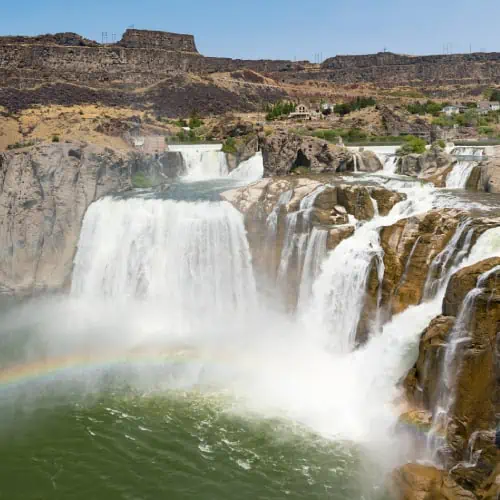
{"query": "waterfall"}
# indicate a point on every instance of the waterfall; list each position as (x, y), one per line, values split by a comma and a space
(249, 170)
(458, 177)
(339, 292)
(477, 152)
(445, 263)
(315, 254)
(186, 256)
(203, 161)
(297, 234)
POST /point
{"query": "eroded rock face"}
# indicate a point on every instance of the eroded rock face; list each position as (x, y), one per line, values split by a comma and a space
(274, 207)
(421, 482)
(476, 401)
(410, 245)
(486, 177)
(44, 193)
(283, 151)
(432, 166)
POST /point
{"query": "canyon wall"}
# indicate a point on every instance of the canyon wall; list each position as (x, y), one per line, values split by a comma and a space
(144, 57)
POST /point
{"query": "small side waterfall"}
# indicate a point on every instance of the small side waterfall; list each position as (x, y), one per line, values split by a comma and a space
(297, 235)
(315, 255)
(458, 177)
(203, 161)
(249, 170)
(447, 261)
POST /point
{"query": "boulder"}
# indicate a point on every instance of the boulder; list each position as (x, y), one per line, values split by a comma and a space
(432, 166)
(284, 151)
(422, 482)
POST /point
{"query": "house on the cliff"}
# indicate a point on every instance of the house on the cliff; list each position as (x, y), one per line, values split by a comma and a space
(484, 107)
(451, 110)
(302, 112)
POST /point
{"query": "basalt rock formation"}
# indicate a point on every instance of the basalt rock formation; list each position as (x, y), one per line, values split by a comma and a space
(30, 67)
(44, 193)
(283, 152)
(274, 207)
(432, 166)
(470, 455)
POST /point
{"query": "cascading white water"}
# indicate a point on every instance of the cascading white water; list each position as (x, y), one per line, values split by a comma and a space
(477, 152)
(386, 154)
(339, 292)
(249, 170)
(315, 255)
(296, 241)
(445, 263)
(203, 161)
(458, 177)
(186, 256)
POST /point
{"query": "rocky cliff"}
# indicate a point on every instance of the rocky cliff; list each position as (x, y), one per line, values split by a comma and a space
(144, 58)
(44, 194)
(469, 455)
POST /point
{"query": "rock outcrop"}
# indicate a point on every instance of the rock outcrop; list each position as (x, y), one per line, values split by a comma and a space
(486, 177)
(476, 402)
(283, 152)
(270, 206)
(44, 194)
(432, 166)
(421, 482)
(410, 245)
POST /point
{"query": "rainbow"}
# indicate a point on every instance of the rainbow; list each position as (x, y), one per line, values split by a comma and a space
(60, 366)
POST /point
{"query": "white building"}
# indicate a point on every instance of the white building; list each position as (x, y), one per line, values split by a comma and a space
(484, 107)
(451, 110)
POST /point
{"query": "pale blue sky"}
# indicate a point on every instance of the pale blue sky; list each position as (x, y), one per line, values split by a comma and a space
(274, 29)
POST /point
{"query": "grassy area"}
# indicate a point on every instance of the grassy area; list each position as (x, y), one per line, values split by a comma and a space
(139, 180)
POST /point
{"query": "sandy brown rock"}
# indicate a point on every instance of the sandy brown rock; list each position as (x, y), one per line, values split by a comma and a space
(422, 380)
(420, 482)
(410, 245)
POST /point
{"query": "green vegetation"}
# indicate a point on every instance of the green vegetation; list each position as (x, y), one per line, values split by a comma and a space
(279, 110)
(230, 145)
(345, 108)
(412, 145)
(425, 108)
(181, 123)
(55, 138)
(195, 121)
(189, 136)
(19, 145)
(139, 180)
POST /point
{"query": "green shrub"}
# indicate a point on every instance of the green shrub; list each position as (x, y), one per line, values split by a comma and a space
(229, 145)
(181, 123)
(19, 145)
(426, 108)
(412, 145)
(486, 130)
(345, 108)
(195, 121)
(139, 180)
(279, 109)
(55, 138)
